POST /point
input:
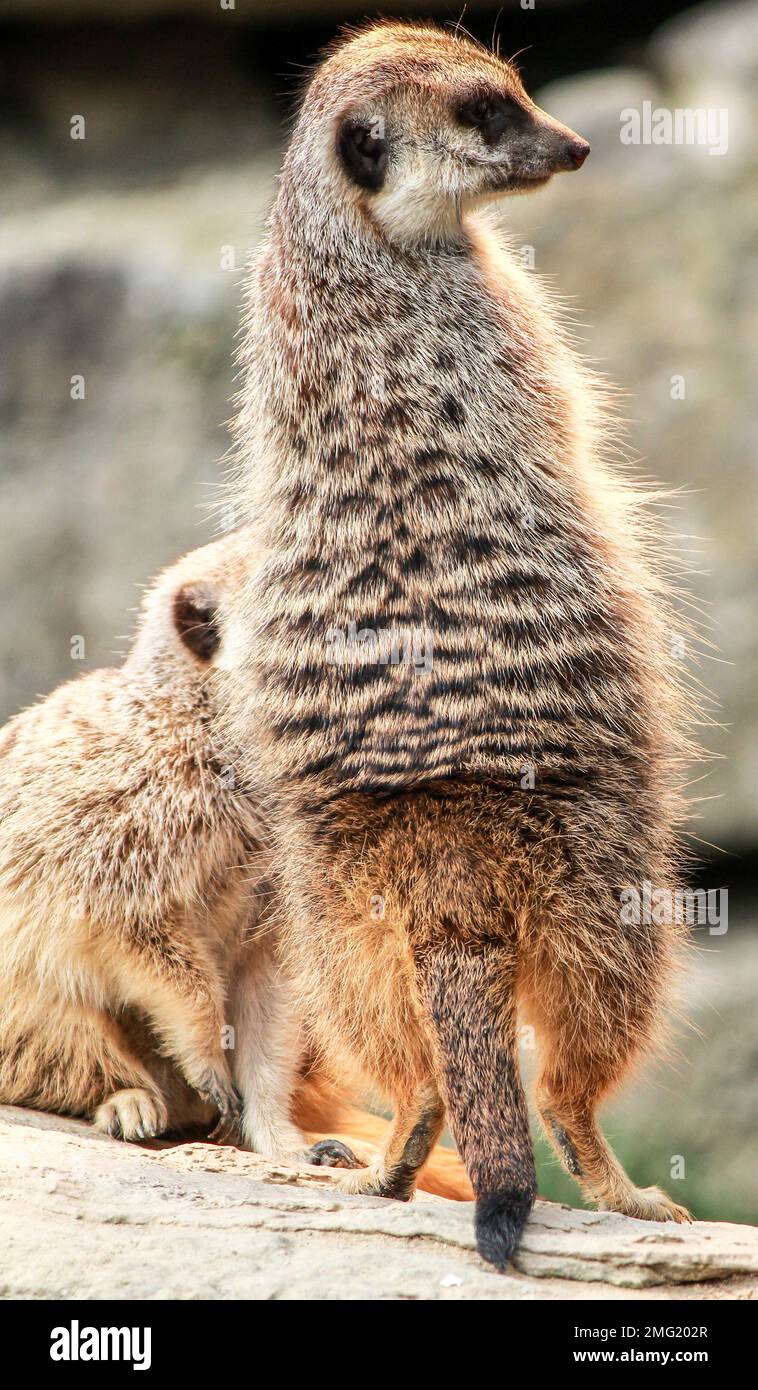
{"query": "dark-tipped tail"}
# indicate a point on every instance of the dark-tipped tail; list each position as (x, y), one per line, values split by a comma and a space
(470, 997)
(500, 1221)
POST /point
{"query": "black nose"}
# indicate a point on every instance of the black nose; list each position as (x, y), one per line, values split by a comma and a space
(577, 152)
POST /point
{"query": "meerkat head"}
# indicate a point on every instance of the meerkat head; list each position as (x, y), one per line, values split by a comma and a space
(416, 126)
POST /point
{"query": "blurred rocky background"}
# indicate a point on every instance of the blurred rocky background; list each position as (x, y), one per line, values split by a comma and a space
(121, 258)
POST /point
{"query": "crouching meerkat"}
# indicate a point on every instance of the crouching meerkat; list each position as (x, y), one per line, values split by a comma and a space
(139, 979)
(134, 986)
(124, 891)
(453, 683)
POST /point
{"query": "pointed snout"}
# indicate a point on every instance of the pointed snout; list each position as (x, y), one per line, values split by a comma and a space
(567, 150)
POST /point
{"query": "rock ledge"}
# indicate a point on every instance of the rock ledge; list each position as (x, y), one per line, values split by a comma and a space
(83, 1216)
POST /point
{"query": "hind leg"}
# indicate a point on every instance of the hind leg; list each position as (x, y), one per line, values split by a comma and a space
(134, 1105)
(164, 1104)
(579, 1142)
(594, 1000)
(415, 1129)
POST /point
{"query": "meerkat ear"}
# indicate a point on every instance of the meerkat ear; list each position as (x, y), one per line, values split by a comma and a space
(196, 620)
(363, 150)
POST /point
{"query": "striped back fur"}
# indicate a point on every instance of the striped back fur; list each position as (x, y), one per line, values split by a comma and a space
(422, 455)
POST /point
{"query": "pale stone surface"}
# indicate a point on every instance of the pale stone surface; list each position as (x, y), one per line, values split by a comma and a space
(83, 1216)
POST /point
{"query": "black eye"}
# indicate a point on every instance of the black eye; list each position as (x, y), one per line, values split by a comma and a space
(490, 115)
(478, 112)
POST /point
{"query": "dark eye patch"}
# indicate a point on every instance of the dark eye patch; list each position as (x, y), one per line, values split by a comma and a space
(491, 114)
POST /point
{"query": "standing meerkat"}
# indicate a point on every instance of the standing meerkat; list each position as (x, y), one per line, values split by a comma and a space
(452, 682)
(133, 935)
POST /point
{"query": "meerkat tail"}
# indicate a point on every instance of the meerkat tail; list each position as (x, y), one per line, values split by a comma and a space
(468, 991)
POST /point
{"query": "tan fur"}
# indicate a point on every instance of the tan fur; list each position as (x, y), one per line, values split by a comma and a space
(321, 1110)
(126, 900)
(424, 454)
(133, 901)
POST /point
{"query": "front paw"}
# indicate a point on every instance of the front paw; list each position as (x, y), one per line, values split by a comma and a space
(224, 1098)
(133, 1114)
(331, 1153)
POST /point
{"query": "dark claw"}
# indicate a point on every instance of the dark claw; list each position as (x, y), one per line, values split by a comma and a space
(332, 1153)
(226, 1131)
(229, 1105)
